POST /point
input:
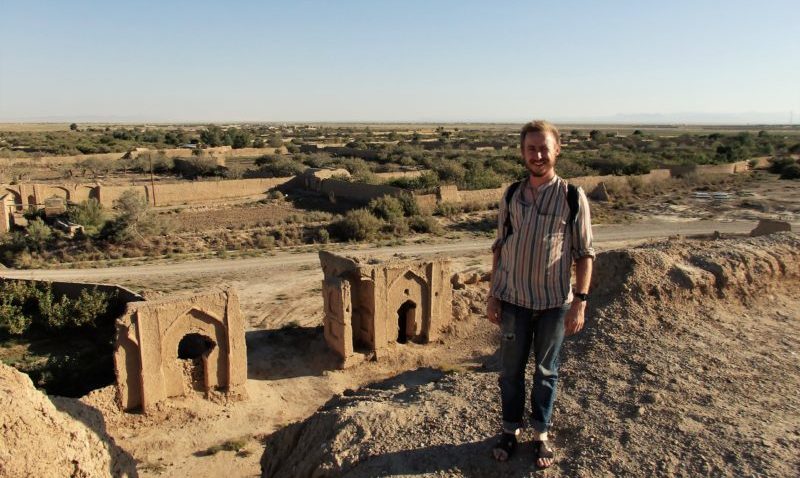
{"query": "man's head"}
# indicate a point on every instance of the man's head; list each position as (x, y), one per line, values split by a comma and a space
(540, 143)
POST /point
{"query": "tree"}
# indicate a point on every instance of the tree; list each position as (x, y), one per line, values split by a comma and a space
(73, 127)
(241, 139)
(212, 136)
(276, 140)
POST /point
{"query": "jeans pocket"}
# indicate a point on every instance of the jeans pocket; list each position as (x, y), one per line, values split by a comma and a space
(507, 322)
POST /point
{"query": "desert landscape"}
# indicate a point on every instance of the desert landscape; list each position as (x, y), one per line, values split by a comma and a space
(687, 367)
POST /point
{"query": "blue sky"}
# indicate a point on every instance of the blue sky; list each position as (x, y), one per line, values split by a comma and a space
(701, 61)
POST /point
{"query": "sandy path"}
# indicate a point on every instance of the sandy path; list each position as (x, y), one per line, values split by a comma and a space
(606, 236)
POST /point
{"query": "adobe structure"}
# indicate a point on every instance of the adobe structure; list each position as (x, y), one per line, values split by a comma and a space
(170, 347)
(369, 306)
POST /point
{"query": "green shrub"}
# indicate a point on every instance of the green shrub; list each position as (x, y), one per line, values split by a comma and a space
(196, 166)
(39, 234)
(387, 207)
(322, 236)
(410, 206)
(778, 164)
(12, 320)
(357, 224)
(23, 305)
(89, 214)
(791, 172)
(277, 167)
(447, 209)
(134, 221)
(425, 224)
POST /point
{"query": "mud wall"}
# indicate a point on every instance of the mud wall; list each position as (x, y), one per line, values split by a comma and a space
(358, 192)
(221, 152)
(203, 191)
(72, 290)
(399, 174)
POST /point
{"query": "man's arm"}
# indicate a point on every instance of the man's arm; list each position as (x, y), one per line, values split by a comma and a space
(493, 303)
(573, 322)
(583, 250)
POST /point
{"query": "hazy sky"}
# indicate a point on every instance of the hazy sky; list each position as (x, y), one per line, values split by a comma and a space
(734, 61)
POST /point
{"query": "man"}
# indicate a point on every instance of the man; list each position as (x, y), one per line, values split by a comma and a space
(541, 231)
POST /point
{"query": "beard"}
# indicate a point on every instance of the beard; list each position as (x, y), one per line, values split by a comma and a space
(539, 171)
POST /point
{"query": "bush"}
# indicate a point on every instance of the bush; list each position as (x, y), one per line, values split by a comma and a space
(89, 214)
(387, 207)
(196, 166)
(410, 206)
(358, 225)
(23, 305)
(778, 164)
(134, 221)
(39, 234)
(277, 167)
(425, 224)
(791, 172)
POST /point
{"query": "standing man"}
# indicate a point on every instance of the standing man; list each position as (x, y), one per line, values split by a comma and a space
(543, 226)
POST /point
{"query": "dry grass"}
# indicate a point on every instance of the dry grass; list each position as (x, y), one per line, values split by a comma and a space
(33, 127)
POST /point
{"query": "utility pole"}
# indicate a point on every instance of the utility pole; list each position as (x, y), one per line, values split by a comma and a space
(152, 179)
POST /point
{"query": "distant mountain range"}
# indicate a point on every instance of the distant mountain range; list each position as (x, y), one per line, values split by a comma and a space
(744, 118)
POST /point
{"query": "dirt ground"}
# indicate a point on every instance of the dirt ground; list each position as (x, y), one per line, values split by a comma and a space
(642, 422)
(688, 367)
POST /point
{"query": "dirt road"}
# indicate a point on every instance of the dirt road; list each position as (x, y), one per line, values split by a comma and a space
(606, 237)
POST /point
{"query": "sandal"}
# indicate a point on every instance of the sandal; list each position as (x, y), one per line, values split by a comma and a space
(544, 454)
(505, 447)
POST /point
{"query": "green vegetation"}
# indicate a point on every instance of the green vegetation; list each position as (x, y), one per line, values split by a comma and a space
(64, 343)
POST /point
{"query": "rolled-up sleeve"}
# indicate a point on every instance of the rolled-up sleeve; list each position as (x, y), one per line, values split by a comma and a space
(582, 229)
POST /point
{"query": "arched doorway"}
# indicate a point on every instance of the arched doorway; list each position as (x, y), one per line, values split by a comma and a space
(193, 351)
(406, 322)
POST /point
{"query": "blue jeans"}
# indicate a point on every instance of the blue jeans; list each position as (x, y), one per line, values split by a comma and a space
(521, 328)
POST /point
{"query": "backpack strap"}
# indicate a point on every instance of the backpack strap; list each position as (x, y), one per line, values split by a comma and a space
(507, 227)
(572, 202)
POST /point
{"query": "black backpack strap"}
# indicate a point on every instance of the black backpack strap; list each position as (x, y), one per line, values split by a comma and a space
(507, 227)
(572, 202)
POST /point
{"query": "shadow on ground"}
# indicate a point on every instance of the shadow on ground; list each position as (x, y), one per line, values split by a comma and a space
(288, 353)
(122, 463)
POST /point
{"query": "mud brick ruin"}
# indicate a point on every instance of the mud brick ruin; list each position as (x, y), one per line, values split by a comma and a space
(370, 306)
(170, 347)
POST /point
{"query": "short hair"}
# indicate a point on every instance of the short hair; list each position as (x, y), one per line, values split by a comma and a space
(539, 126)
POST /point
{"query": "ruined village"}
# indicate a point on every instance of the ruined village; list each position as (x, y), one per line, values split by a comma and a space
(309, 353)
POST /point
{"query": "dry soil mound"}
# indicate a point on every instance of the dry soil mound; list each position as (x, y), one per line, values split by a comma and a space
(36, 439)
(688, 367)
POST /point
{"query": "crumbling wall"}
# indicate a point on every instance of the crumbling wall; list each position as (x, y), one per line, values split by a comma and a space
(400, 174)
(482, 196)
(448, 193)
(370, 306)
(173, 194)
(150, 333)
(358, 192)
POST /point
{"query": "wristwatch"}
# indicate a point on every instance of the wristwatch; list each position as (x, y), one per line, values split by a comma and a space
(583, 297)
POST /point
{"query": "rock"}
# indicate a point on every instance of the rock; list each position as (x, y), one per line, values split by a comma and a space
(36, 439)
(770, 226)
(599, 193)
(473, 278)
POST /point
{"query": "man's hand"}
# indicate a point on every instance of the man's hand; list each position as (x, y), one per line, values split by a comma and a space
(493, 308)
(573, 321)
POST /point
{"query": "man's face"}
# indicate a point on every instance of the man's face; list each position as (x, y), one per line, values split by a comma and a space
(539, 150)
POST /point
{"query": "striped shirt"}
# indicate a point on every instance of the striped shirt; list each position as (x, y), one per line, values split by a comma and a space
(535, 264)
